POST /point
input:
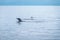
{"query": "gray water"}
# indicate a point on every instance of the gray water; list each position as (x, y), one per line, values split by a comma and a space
(45, 26)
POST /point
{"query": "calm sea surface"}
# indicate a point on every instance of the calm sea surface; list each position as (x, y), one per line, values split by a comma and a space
(45, 26)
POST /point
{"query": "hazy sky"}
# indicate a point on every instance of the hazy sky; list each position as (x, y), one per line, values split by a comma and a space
(29, 2)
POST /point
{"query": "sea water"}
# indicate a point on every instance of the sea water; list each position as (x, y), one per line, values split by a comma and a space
(47, 27)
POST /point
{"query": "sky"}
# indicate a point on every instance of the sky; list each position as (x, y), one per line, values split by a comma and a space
(29, 2)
